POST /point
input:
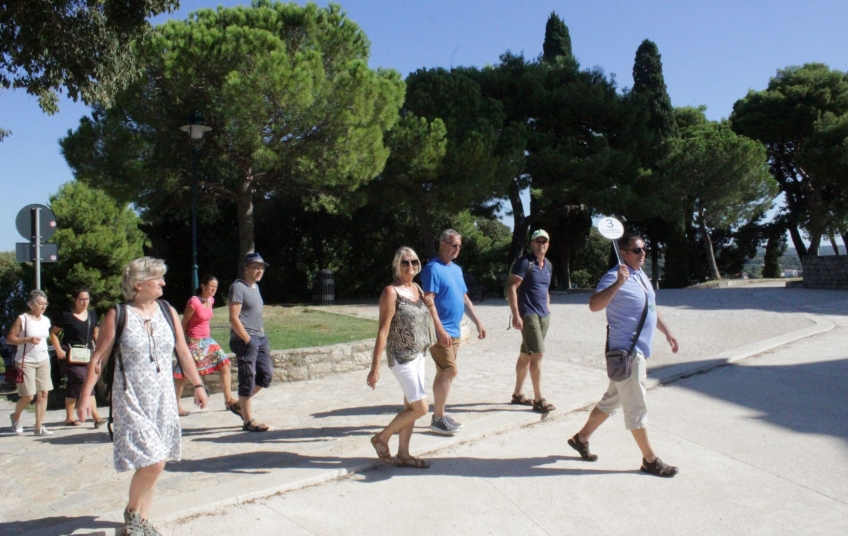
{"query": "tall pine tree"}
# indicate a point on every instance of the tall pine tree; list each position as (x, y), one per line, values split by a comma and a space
(557, 40)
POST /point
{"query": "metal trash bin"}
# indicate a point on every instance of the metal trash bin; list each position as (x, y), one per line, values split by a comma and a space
(324, 287)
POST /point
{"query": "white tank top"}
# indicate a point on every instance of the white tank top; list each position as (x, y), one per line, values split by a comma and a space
(30, 327)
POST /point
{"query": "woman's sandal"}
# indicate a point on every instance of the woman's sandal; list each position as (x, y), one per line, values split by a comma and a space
(99, 422)
(543, 406)
(74, 422)
(253, 427)
(411, 461)
(382, 449)
(521, 400)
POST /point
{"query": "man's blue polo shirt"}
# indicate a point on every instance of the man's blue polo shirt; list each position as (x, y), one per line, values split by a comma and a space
(625, 310)
(446, 281)
(533, 292)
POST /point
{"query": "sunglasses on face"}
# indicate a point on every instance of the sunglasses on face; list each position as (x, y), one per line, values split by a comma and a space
(638, 251)
(413, 262)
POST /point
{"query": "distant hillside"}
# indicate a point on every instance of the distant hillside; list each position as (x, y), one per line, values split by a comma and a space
(789, 260)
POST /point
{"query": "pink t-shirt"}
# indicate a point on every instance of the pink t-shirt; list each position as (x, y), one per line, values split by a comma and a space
(198, 324)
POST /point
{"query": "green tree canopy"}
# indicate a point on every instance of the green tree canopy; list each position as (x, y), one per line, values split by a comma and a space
(293, 106)
(96, 237)
(82, 46)
(557, 40)
(722, 175)
(784, 117)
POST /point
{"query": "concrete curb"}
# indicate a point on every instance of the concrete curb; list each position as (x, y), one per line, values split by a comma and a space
(194, 503)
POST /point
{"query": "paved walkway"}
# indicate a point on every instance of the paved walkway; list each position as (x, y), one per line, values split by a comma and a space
(65, 483)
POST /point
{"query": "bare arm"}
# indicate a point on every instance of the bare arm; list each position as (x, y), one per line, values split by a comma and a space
(54, 340)
(12, 337)
(663, 327)
(441, 334)
(189, 312)
(187, 361)
(512, 295)
(599, 300)
(388, 299)
(469, 310)
(235, 322)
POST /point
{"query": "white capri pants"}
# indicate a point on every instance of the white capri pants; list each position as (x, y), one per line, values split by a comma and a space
(630, 395)
(410, 376)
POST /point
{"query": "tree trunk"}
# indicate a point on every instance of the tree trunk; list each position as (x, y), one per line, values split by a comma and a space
(815, 240)
(834, 244)
(797, 241)
(565, 261)
(655, 266)
(708, 247)
(426, 231)
(845, 242)
(244, 203)
(521, 222)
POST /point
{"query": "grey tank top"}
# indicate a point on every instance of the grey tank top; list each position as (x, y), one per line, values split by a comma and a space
(409, 332)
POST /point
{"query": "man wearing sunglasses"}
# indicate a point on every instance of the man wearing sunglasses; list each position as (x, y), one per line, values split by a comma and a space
(530, 304)
(622, 292)
(443, 282)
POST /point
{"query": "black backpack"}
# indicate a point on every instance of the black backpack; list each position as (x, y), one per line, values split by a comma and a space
(115, 357)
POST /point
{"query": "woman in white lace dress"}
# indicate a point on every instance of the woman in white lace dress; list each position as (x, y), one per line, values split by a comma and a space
(147, 425)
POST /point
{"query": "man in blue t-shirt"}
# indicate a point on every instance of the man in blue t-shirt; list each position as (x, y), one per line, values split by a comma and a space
(624, 292)
(443, 282)
(530, 305)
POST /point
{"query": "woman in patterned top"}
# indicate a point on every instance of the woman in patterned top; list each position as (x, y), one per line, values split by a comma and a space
(404, 334)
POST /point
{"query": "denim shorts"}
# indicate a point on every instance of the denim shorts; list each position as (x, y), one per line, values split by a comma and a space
(254, 364)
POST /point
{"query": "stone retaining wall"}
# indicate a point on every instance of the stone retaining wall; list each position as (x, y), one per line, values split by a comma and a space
(830, 272)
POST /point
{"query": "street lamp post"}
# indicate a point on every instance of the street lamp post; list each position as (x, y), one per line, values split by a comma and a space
(195, 130)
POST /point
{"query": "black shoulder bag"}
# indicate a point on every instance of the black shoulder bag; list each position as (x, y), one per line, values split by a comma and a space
(620, 362)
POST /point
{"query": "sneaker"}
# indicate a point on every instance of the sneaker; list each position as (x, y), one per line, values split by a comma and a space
(132, 521)
(17, 426)
(42, 431)
(453, 423)
(658, 468)
(148, 529)
(440, 425)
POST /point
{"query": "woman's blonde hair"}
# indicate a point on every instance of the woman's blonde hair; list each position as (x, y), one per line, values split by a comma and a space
(143, 269)
(400, 253)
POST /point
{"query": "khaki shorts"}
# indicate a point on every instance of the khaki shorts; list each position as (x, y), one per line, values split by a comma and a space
(445, 358)
(533, 333)
(36, 378)
(630, 396)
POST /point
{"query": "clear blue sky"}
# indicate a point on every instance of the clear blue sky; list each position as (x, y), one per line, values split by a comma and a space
(713, 51)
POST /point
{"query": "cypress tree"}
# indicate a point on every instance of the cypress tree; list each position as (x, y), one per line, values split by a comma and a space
(557, 40)
(648, 81)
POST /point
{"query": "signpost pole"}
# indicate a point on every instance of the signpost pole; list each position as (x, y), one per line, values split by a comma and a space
(36, 242)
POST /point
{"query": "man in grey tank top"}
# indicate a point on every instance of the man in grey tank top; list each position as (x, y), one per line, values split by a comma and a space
(248, 340)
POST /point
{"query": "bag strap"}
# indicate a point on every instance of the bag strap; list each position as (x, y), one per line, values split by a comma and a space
(120, 322)
(23, 357)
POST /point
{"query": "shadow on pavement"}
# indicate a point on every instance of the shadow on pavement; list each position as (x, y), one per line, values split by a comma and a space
(293, 434)
(49, 526)
(393, 409)
(780, 300)
(807, 398)
(260, 462)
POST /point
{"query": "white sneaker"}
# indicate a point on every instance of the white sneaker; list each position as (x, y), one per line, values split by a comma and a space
(42, 431)
(17, 426)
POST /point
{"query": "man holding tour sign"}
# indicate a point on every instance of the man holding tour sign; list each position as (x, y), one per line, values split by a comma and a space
(626, 294)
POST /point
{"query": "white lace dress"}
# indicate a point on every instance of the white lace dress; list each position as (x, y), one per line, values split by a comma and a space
(147, 423)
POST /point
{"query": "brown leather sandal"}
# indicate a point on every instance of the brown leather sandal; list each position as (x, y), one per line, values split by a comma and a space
(658, 468)
(543, 406)
(582, 448)
(411, 461)
(521, 400)
(382, 449)
(253, 427)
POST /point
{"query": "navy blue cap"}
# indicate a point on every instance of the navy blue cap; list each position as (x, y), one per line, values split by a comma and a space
(254, 257)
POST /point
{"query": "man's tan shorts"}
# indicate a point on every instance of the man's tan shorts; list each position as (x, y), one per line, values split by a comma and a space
(36, 378)
(445, 358)
(533, 333)
(630, 395)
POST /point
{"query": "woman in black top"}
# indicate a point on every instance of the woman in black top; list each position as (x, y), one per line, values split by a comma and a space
(78, 327)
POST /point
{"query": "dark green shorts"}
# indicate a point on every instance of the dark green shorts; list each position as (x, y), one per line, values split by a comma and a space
(533, 334)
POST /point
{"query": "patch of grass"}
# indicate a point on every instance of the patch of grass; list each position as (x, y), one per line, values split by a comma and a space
(299, 327)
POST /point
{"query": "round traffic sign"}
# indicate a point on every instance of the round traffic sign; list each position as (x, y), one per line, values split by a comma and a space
(46, 222)
(610, 228)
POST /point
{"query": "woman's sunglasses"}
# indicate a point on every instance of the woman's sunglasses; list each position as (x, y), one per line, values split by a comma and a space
(413, 262)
